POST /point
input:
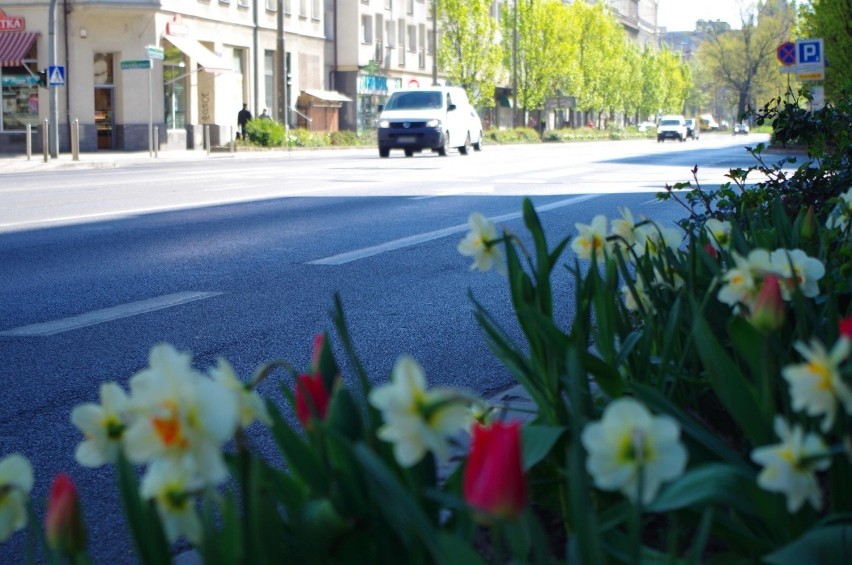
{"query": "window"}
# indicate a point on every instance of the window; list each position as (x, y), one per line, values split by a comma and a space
(243, 3)
(238, 60)
(388, 4)
(20, 93)
(303, 8)
(401, 36)
(269, 78)
(316, 10)
(412, 38)
(272, 5)
(287, 9)
(380, 27)
(174, 87)
(421, 43)
(410, 10)
(390, 33)
(366, 29)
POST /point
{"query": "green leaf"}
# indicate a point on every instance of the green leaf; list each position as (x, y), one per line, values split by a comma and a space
(402, 513)
(145, 526)
(748, 343)
(830, 545)
(735, 392)
(458, 551)
(301, 458)
(709, 484)
(536, 443)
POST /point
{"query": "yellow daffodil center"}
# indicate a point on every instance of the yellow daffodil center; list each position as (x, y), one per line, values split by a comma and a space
(822, 371)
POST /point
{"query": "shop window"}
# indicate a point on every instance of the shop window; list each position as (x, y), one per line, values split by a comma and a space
(103, 74)
(20, 94)
(174, 87)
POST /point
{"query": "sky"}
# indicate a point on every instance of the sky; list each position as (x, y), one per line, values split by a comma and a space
(681, 15)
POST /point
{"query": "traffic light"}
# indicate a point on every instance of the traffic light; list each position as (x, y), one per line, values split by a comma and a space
(42, 79)
(289, 79)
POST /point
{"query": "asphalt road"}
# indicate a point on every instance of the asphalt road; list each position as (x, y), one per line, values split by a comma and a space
(240, 258)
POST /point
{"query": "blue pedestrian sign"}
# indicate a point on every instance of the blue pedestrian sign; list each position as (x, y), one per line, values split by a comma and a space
(810, 59)
(56, 76)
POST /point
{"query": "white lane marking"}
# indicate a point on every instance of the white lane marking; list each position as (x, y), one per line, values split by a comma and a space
(363, 253)
(107, 314)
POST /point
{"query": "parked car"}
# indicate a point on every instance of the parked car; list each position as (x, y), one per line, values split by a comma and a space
(646, 126)
(436, 118)
(692, 128)
(671, 127)
(740, 128)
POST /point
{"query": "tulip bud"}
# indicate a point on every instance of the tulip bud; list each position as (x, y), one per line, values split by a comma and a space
(808, 225)
(768, 311)
(311, 399)
(493, 479)
(846, 327)
(66, 533)
(711, 250)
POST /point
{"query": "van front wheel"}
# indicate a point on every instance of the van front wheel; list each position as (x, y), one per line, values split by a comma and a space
(442, 150)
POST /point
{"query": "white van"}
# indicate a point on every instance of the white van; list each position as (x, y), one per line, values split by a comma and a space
(435, 117)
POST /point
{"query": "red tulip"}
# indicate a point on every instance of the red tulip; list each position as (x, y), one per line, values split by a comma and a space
(711, 250)
(768, 311)
(311, 398)
(66, 533)
(494, 477)
(846, 327)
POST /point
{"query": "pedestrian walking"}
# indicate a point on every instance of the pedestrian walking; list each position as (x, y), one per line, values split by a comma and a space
(243, 118)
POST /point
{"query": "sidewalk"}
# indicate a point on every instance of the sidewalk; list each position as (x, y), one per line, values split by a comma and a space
(105, 159)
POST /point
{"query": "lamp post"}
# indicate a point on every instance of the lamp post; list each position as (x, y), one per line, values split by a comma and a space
(434, 42)
(282, 70)
(53, 123)
(515, 65)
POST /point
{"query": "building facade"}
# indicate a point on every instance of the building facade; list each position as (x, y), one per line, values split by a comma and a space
(216, 56)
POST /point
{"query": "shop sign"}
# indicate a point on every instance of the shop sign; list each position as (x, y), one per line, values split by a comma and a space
(12, 23)
(18, 80)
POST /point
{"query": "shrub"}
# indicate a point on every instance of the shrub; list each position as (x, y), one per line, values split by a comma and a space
(266, 133)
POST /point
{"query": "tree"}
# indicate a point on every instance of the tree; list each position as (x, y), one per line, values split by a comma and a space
(744, 60)
(832, 21)
(543, 54)
(600, 45)
(468, 50)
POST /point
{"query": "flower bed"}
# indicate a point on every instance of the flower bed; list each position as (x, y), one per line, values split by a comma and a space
(696, 408)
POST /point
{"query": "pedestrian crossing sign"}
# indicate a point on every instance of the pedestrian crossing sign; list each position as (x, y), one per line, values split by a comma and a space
(56, 76)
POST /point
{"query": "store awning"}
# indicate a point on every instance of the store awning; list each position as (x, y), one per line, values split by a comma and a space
(209, 61)
(327, 95)
(14, 46)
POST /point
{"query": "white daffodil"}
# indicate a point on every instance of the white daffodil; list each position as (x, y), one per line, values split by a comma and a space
(180, 413)
(481, 244)
(624, 228)
(250, 405)
(630, 301)
(633, 451)
(16, 482)
(172, 486)
(841, 215)
(417, 420)
(789, 467)
(719, 232)
(592, 239)
(796, 268)
(740, 286)
(816, 386)
(103, 426)
(652, 239)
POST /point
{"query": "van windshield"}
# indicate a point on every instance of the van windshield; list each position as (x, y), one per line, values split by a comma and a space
(670, 122)
(414, 100)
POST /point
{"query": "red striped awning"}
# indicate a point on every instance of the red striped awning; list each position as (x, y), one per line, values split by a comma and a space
(14, 46)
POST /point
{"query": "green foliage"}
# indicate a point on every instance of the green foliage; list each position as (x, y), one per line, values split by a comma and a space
(266, 133)
(516, 135)
(468, 50)
(829, 19)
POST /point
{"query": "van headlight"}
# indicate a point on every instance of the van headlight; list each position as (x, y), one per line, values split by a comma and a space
(384, 123)
(434, 123)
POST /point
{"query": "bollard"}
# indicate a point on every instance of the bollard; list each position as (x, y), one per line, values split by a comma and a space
(45, 147)
(75, 140)
(29, 141)
(207, 139)
(233, 143)
(156, 141)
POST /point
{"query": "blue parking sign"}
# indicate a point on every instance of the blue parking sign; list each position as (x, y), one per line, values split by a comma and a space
(809, 52)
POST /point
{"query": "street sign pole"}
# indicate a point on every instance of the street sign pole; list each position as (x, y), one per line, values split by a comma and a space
(150, 111)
